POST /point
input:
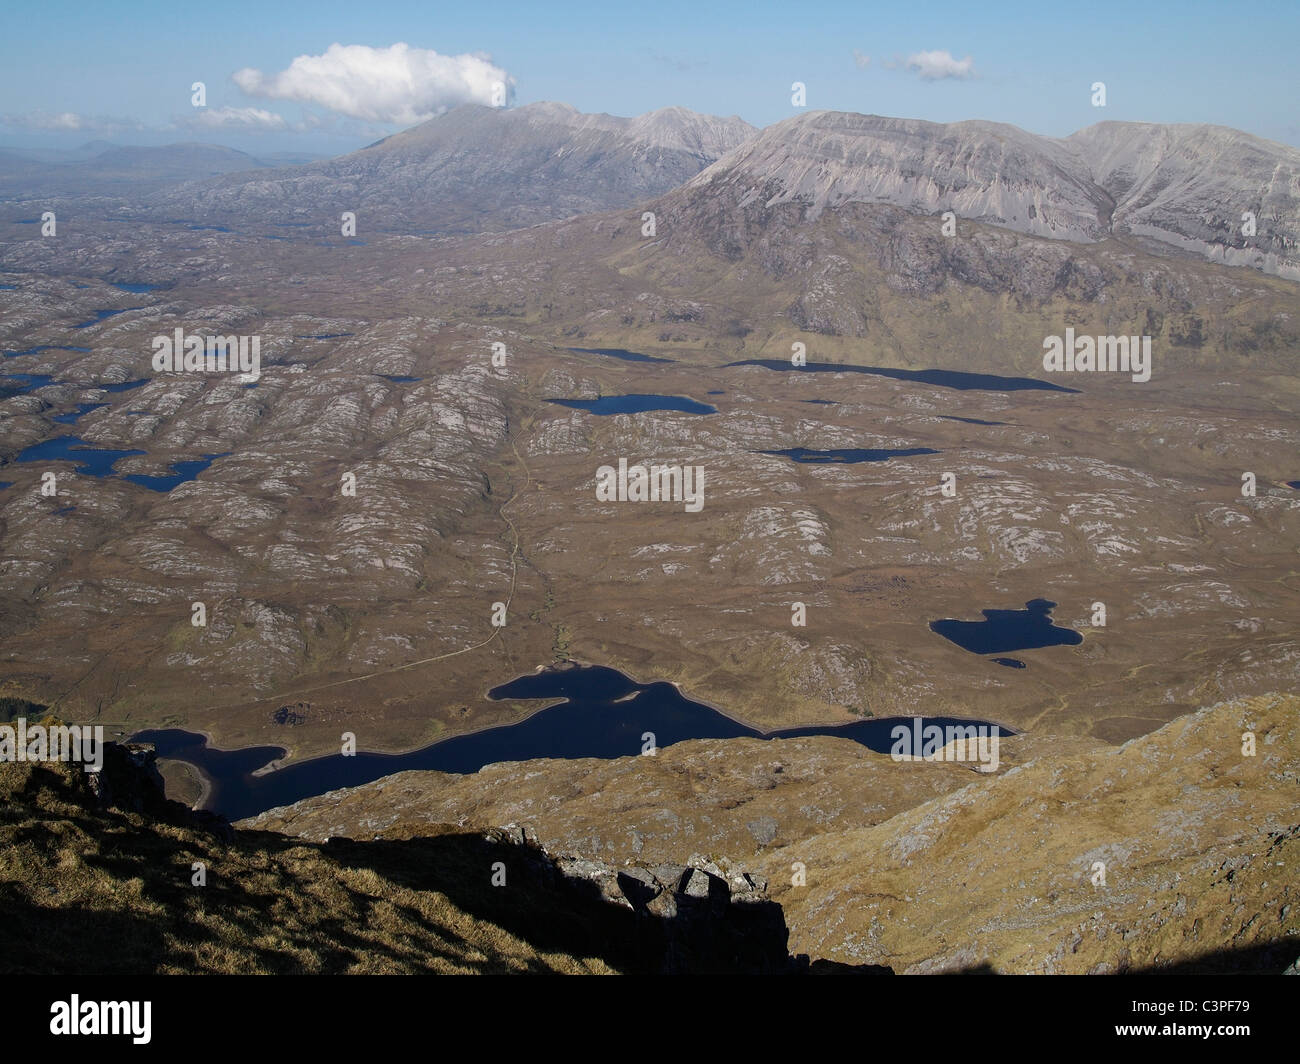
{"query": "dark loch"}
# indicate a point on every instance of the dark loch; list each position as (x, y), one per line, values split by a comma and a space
(1003, 630)
(603, 714)
(942, 378)
(636, 404)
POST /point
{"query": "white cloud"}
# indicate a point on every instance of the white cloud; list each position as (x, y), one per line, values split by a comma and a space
(397, 84)
(243, 119)
(68, 122)
(860, 60)
(940, 64)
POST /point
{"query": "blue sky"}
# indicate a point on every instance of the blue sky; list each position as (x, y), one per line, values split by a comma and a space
(1031, 64)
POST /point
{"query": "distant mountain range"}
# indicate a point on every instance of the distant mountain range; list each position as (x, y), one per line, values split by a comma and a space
(1172, 188)
(479, 169)
(103, 169)
(1182, 186)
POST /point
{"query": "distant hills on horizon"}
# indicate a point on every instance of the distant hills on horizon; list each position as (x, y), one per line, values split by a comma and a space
(1183, 188)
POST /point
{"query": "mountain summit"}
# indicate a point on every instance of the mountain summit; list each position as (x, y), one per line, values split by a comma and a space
(477, 168)
(1182, 185)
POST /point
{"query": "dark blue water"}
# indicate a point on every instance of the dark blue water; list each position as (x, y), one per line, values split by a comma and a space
(211, 228)
(821, 402)
(847, 455)
(101, 315)
(323, 336)
(8, 288)
(717, 393)
(93, 461)
(604, 714)
(1293, 484)
(137, 289)
(942, 378)
(400, 380)
(618, 352)
(22, 383)
(1003, 630)
(6, 484)
(63, 510)
(636, 404)
(123, 386)
(970, 420)
(74, 416)
(1010, 663)
(181, 472)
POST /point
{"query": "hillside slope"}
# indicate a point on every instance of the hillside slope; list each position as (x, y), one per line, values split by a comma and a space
(931, 867)
(97, 877)
(1180, 186)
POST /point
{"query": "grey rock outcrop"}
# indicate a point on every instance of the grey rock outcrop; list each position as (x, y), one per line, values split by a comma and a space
(685, 918)
(1182, 185)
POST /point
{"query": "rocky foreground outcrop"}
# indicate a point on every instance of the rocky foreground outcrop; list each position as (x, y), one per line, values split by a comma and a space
(102, 874)
(1169, 850)
(1176, 850)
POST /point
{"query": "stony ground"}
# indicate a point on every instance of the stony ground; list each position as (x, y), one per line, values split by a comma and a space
(1173, 849)
(473, 490)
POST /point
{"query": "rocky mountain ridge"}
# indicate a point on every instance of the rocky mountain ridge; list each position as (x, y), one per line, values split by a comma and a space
(475, 169)
(1179, 186)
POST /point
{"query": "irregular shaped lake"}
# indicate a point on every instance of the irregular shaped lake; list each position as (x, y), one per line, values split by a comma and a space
(1003, 630)
(847, 455)
(604, 714)
(93, 461)
(73, 416)
(943, 378)
(619, 353)
(636, 404)
(970, 420)
(181, 472)
(21, 383)
(122, 386)
(102, 315)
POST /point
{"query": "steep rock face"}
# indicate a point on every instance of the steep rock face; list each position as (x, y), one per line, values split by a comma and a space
(1180, 185)
(1189, 185)
(477, 168)
(984, 171)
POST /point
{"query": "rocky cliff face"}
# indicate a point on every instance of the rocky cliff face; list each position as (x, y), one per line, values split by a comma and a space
(477, 168)
(1185, 186)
